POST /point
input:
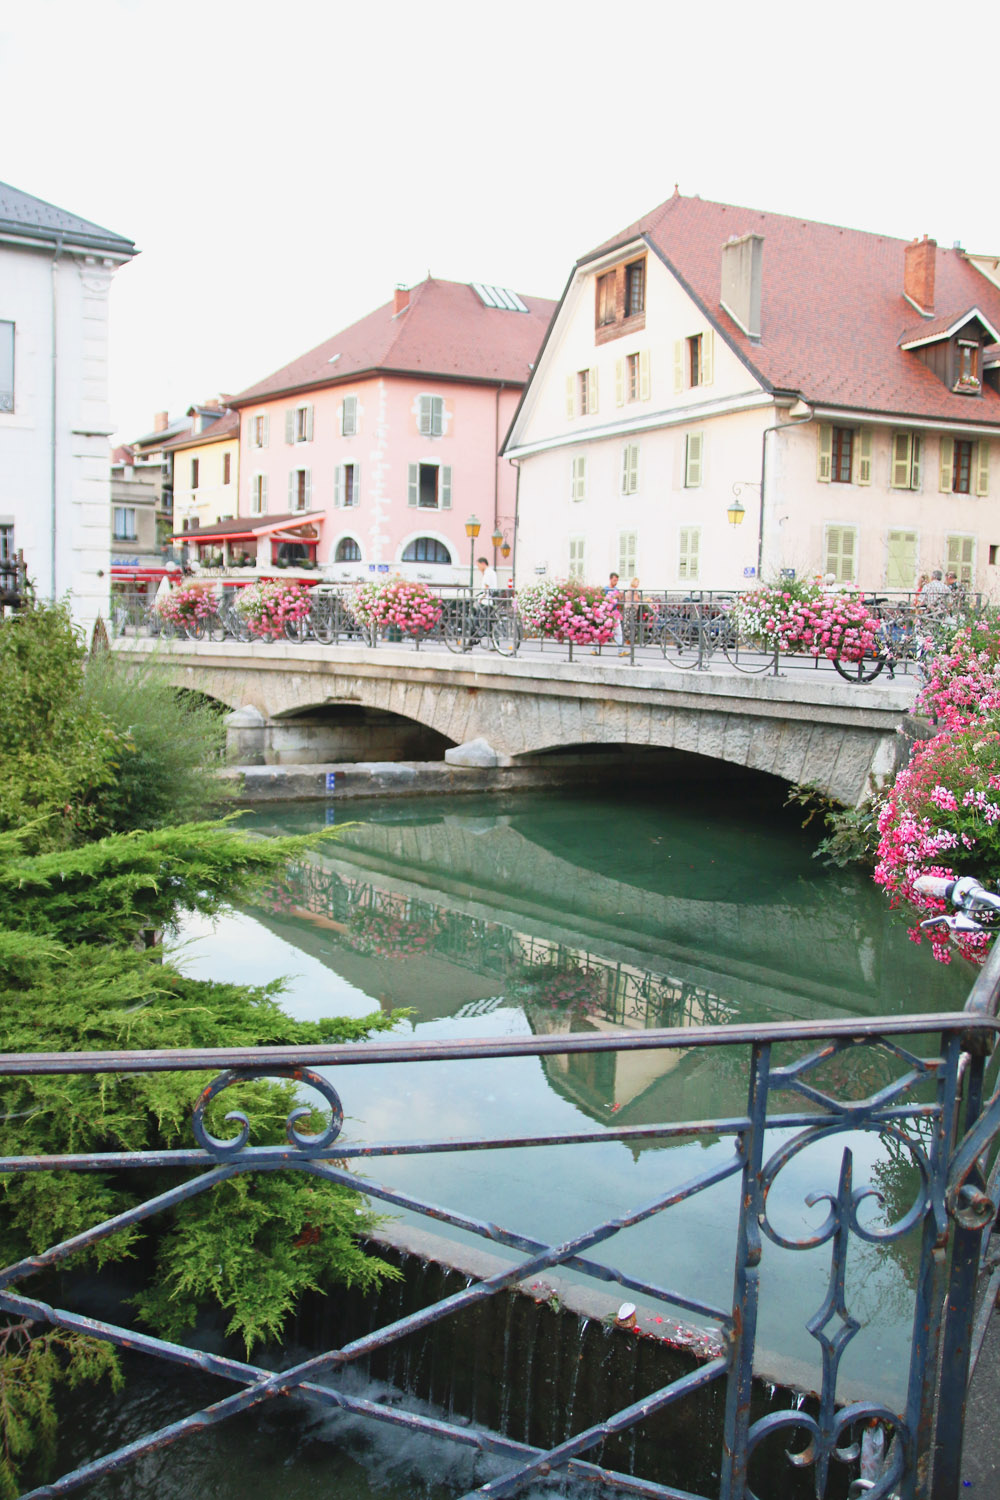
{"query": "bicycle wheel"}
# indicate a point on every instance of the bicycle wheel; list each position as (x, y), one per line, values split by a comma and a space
(865, 669)
(297, 630)
(321, 620)
(745, 654)
(195, 630)
(505, 632)
(456, 627)
(217, 628)
(679, 636)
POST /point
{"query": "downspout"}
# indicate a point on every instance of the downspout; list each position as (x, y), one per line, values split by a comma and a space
(55, 372)
(775, 427)
(496, 463)
(517, 513)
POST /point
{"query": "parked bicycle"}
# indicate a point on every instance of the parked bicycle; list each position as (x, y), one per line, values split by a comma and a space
(491, 621)
(977, 909)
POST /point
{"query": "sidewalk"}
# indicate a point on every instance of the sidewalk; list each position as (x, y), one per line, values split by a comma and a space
(981, 1449)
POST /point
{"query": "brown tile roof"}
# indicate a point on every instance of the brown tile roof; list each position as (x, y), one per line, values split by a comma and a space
(935, 328)
(246, 525)
(832, 307)
(226, 427)
(446, 331)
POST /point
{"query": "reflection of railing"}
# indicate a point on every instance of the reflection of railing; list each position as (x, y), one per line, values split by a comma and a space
(794, 1102)
(622, 992)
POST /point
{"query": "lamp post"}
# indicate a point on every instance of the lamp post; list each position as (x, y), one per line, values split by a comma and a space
(736, 510)
(472, 526)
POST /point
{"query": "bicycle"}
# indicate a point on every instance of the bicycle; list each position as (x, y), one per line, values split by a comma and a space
(492, 621)
(901, 637)
(971, 898)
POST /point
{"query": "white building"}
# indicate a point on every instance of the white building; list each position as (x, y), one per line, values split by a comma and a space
(55, 485)
(838, 387)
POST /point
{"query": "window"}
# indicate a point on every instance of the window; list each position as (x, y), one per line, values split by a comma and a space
(694, 359)
(901, 560)
(6, 541)
(430, 422)
(347, 550)
(124, 523)
(298, 424)
(578, 488)
(965, 466)
(635, 288)
(994, 549)
(259, 431)
(843, 455)
(575, 557)
(349, 419)
(195, 466)
(961, 557)
(227, 468)
(607, 299)
(427, 549)
(835, 455)
(630, 468)
(6, 366)
(429, 486)
(968, 366)
(689, 545)
(258, 495)
(581, 393)
(626, 554)
(632, 378)
(840, 551)
(299, 489)
(693, 447)
(904, 469)
(347, 484)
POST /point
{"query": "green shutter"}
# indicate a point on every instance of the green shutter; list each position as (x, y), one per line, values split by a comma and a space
(947, 465)
(678, 364)
(824, 455)
(692, 460)
(899, 467)
(961, 552)
(571, 395)
(687, 560)
(901, 561)
(644, 375)
(865, 456)
(413, 484)
(915, 455)
(444, 494)
(619, 382)
(707, 366)
(292, 478)
(983, 466)
(307, 488)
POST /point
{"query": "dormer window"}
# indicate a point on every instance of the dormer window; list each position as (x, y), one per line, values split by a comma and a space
(968, 366)
(952, 349)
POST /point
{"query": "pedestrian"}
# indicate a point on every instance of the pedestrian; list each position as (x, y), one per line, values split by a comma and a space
(488, 576)
(936, 594)
(613, 595)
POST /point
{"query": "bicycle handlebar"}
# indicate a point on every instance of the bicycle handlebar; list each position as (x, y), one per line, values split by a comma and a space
(966, 893)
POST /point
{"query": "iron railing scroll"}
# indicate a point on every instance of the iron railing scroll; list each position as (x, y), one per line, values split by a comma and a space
(922, 1088)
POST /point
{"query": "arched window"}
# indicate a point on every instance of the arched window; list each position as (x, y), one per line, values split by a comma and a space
(427, 549)
(347, 550)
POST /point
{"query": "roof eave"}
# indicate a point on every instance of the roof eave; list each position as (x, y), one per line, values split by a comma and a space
(373, 372)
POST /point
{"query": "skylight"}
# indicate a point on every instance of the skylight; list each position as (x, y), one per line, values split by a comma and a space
(498, 296)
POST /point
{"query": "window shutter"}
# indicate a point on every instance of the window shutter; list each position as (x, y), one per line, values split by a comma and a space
(579, 481)
(571, 395)
(915, 455)
(413, 484)
(424, 419)
(947, 465)
(338, 485)
(307, 488)
(619, 382)
(263, 492)
(678, 364)
(692, 463)
(865, 456)
(444, 493)
(707, 370)
(983, 466)
(292, 478)
(833, 551)
(824, 455)
(644, 375)
(899, 469)
(356, 491)
(290, 424)
(265, 436)
(592, 389)
(309, 423)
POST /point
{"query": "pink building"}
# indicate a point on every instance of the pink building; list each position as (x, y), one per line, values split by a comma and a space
(388, 434)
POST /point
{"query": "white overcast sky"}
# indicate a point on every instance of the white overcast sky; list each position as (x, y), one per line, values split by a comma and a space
(281, 166)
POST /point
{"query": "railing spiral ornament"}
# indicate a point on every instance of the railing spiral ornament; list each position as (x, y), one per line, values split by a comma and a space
(309, 1143)
(820, 1449)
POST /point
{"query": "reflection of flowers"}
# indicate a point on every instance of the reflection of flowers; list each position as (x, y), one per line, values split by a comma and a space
(565, 987)
(387, 934)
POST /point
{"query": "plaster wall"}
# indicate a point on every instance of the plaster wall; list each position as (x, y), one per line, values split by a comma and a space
(213, 499)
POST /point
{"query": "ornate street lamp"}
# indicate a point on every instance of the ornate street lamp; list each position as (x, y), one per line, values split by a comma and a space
(736, 511)
(472, 526)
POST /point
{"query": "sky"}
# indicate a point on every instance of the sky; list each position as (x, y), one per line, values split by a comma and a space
(282, 167)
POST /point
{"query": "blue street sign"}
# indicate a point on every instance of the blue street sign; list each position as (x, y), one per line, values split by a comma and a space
(331, 781)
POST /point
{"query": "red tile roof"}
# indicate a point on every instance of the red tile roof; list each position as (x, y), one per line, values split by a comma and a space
(226, 427)
(832, 306)
(446, 331)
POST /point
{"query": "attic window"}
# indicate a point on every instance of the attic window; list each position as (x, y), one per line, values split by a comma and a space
(498, 296)
(968, 366)
(635, 288)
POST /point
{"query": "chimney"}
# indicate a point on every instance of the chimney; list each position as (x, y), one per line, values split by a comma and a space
(741, 281)
(918, 274)
(161, 421)
(400, 299)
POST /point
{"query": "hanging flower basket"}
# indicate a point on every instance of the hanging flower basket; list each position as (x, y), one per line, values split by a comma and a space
(185, 606)
(268, 606)
(568, 611)
(804, 617)
(397, 604)
(386, 933)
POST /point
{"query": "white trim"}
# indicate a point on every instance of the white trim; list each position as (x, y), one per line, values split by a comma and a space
(698, 411)
(916, 306)
(960, 322)
(901, 420)
(434, 536)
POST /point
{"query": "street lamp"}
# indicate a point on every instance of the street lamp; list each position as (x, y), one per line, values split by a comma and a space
(472, 526)
(736, 510)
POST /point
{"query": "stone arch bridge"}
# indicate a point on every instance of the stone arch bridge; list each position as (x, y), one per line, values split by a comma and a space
(313, 704)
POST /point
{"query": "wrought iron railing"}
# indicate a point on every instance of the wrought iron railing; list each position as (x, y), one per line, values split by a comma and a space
(923, 1090)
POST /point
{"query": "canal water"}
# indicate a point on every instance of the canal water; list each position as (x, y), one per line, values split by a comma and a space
(688, 904)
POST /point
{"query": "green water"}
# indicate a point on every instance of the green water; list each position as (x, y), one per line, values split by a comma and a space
(687, 904)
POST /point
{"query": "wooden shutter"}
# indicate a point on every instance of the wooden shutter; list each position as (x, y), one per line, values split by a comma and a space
(865, 456)
(290, 424)
(630, 468)
(961, 552)
(576, 557)
(293, 479)
(571, 395)
(915, 457)
(644, 375)
(424, 420)
(678, 364)
(263, 492)
(901, 562)
(265, 432)
(592, 389)
(824, 454)
(947, 465)
(619, 382)
(413, 484)
(307, 489)
(356, 487)
(840, 552)
(692, 460)
(338, 485)
(444, 493)
(706, 371)
(579, 483)
(983, 466)
(899, 467)
(626, 554)
(309, 423)
(687, 561)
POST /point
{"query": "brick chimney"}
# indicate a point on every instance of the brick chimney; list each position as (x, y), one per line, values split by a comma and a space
(400, 299)
(161, 421)
(918, 273)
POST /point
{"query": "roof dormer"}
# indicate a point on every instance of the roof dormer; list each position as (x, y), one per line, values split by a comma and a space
(953, 349)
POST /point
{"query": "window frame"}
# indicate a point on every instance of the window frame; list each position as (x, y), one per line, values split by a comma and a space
(120, 533)
(260, 430)
(443, 485)
(422, 541)
(227, 468)
(348, 541)
(961, 470)
(349, 426)
(430, 416)
(299, 489)
(195, 472)
(841, 454)
(258, 494)
(634, 287)
(7, 396)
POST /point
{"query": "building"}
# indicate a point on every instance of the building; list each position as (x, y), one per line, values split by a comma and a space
(205, 462)
(388, 434)
(55, 489)
(726, 394)
(134, 499)
(154, 460)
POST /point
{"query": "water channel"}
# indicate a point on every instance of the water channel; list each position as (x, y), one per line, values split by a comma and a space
(533, 914)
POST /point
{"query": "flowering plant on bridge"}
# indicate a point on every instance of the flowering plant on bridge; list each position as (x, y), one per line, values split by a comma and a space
(400, 603)
(270, 605)
(941, 816)
(964, 678)
(567, 987)
(803, 616)
(387, 933)
(568, 611)
(185, 606)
